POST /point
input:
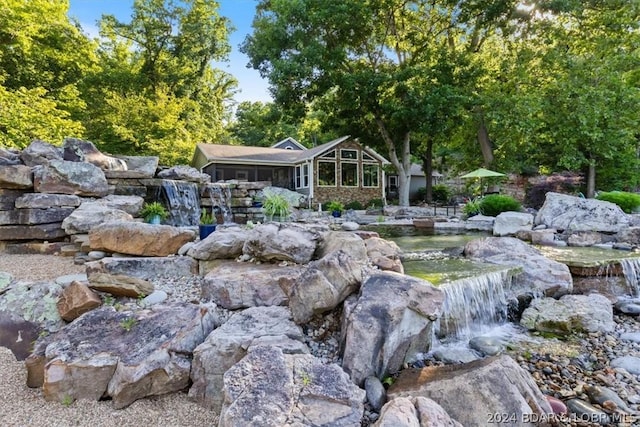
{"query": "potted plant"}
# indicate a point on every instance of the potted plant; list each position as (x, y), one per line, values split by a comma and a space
(275, 207)
(256, 201)
(335, 208)
(154, 212)
(207, 223)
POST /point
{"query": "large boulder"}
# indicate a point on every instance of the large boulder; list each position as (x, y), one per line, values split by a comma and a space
(185, 173)
(16, 177)
(569, 213)
(137, 167)
(483, 390)
(571, 313)
(77, 299)
(132, 276)
(140, 239)
(77, 150)
(414, 412)
(294, 198)
(235, 285)
(391, 322)
(346, 241)
(540, 276)
(33, 302)
(509, 223)
(324, 285)
(40, 153)
(228, 344)
(277, 241)
(34, 216)
(46, 201)
(130, 204)
(123, 355)
(226, 242)
(301, 391)
(384, 254)
(18, 334)
(91, 214)
(9, 157)
(64, 177)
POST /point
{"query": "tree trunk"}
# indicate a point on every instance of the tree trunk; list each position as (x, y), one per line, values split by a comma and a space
(427, 167)
(485, 143)
(402, 163)
(591, 179)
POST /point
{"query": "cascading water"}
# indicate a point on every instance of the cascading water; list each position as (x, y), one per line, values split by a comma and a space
(183, 202)
(473, 303)
(631, 271)
(220, 196)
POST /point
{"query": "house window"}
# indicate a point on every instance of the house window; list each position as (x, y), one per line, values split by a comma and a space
(393, 182)
(330, 155)
(242, 175)
(367, 158)
(370, 174)
(302, 176)
(326, 174)
(349, 154)
(349, 174)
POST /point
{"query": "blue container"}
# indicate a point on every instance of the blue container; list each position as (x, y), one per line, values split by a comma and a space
(206, 229)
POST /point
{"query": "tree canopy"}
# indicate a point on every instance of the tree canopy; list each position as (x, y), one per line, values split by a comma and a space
(144, 87)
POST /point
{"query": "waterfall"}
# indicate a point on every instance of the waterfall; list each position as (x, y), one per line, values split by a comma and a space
(631, 271)
(220, 196)
(473, 302)
(183, 201)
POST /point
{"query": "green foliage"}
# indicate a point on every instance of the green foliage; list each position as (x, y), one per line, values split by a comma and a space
(149, 210)
(128, 323)
(355, 205)
(495, 204)
(375, 203)
(207, 218)
(67, 400)
(334, 206)
(108, 300)
(628, 202)
(472, 208)
(275, 205)
(441, 193)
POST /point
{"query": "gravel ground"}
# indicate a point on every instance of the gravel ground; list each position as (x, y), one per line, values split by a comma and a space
(37, 268)
(21, 406)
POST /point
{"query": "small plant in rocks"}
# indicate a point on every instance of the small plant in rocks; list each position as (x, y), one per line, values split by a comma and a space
(128, 323)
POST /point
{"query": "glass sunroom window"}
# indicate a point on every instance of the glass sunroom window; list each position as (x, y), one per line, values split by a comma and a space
(327, 174)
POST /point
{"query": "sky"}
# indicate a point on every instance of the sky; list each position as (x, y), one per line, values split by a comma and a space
(240, 12)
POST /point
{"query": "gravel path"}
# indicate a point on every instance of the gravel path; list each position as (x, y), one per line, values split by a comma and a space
(21, 406)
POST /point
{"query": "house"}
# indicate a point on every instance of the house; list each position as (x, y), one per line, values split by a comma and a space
(342, 169)
(418, 180)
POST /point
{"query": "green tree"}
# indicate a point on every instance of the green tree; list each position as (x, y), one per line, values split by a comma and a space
(560, 96)
(157, 93)
(389, 65)
(43, 58)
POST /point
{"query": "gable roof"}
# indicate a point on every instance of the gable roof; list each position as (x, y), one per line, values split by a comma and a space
(243, 154)
(291, 141)
(247, 154)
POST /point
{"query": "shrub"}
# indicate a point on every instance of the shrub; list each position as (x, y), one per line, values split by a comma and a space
(421, 194)
(441, 193)
(375, 203)
(275, 205)
(471, 208)
(495, 204)
(355, 205)
(334, 206)
(628, 202)
(149, 210)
